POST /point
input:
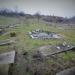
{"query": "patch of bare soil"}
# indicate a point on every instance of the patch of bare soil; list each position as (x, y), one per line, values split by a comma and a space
(36, 64)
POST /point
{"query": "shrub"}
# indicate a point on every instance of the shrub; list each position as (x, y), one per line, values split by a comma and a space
(12, 34)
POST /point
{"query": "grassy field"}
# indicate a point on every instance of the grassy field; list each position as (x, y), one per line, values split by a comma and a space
(25, 43)
(29, 43)
(23, 27)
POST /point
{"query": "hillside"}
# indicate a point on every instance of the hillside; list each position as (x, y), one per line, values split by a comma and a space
(29, 61)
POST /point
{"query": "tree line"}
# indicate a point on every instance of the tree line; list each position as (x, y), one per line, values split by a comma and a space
(48, 18)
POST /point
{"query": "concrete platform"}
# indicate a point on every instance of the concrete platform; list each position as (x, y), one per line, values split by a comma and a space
(7, 58)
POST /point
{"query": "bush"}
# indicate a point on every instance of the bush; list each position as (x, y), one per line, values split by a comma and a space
(12, 34)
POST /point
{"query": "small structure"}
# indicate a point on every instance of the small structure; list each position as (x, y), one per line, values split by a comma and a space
(39, 34)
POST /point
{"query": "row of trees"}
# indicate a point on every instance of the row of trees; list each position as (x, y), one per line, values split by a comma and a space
(7, 12)
(56, 19)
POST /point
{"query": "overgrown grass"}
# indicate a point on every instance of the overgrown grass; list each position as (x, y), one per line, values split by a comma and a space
(8, 20)
(25, 43)
(4, 37)
(23, 39)
(69, 56)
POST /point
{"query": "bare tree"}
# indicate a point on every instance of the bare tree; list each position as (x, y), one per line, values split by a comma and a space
(38, 16)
